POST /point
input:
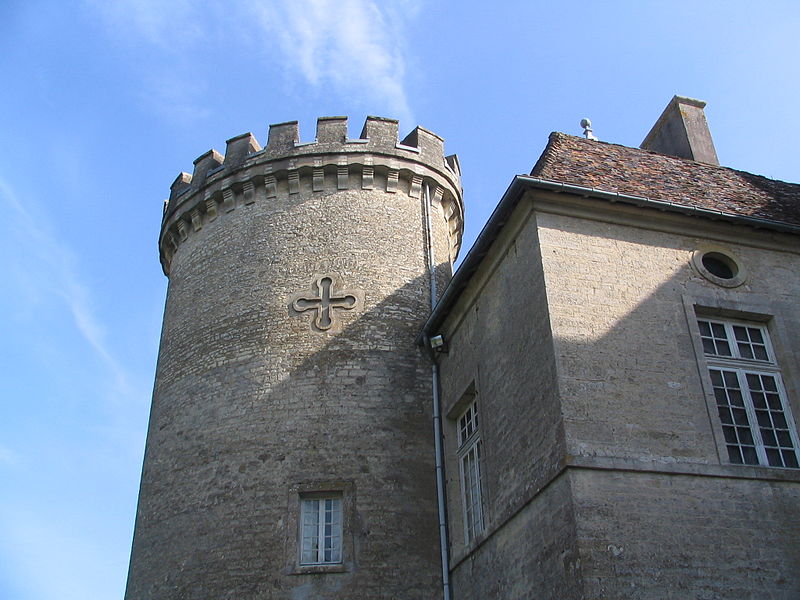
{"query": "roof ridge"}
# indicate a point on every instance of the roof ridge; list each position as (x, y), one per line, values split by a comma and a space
(694, 163)
(640, 172)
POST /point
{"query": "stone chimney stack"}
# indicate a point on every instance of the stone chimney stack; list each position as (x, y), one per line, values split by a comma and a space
(682, 131)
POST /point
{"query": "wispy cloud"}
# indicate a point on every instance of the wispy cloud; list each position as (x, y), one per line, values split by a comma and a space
(54, 275)
(352, 45)
(356, 49)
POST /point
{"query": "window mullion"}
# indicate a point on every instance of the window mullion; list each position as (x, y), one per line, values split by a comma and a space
(321, 531)
(734, 347)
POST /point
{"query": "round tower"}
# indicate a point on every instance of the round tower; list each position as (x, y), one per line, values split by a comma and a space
(290, 446)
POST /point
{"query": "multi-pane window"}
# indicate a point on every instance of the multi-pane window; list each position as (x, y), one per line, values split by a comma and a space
(321, 530)
(748, 390)
(469, 457)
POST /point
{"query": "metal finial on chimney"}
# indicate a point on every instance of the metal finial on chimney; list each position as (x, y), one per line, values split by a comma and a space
(587, 129)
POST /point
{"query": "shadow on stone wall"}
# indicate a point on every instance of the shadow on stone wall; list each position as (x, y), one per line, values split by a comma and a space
(228, 449)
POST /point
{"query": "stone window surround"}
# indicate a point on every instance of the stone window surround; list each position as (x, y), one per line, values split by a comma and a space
(465, 417)
(728, 360)
(344, 489)
(754, 309)
(697, 264)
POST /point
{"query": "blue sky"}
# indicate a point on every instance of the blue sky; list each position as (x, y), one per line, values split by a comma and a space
(103, 102)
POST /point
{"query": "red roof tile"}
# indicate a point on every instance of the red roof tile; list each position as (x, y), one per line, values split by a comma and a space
(637, 172)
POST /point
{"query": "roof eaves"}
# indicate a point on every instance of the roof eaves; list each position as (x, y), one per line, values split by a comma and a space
(511, 198)
(662, 205)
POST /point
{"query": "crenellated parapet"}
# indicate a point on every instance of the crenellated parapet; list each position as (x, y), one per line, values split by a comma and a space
(248, 174)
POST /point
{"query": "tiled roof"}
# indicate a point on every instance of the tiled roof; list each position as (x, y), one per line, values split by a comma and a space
(637, 172)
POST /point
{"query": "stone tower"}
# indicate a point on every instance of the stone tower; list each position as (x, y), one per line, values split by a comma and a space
(290, 447)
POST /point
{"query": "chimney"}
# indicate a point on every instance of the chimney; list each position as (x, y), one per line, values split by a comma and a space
(682, 131)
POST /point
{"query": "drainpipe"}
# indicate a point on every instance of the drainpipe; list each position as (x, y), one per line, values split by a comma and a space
(437, 417)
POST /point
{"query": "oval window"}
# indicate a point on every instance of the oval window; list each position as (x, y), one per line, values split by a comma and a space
(719, 266)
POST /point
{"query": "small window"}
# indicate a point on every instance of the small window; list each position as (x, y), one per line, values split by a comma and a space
(749, 394)
(321, 530)
(719, 266)
(469, 458)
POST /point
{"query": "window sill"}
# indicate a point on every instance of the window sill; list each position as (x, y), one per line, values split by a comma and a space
(313, 569)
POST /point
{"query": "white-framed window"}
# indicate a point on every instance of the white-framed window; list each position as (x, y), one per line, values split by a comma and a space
(469, 459)
(321, 529)
(751, 400)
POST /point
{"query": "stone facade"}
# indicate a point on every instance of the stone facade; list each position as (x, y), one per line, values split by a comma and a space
(605, 471)
(601, 465)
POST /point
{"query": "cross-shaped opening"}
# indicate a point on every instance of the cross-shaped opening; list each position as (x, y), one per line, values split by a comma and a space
(324, 303)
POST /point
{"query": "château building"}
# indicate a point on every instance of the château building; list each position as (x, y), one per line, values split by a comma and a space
(599, 404)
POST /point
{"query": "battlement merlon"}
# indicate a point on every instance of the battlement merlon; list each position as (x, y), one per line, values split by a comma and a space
(248, 173)
(203, 164)
(238, 148)
(378, 136)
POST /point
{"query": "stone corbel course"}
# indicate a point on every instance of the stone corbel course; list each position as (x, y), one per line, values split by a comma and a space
(248, 174)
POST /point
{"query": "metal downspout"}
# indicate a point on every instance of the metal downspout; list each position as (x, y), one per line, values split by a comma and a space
(444, 543)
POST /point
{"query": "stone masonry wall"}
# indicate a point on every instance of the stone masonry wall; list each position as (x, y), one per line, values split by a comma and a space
(255, 403)
(534, 554)
(648, 536)
(500, 343)
(659, 511)
(629, 377)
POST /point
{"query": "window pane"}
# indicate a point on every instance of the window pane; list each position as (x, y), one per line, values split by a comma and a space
(735, 397)
(745, 436)
(740, 333)
(763, 418)
(705, 328)
(774, 402)
(768, 436)
(774, 458)
(761, 352)
(784, 439)
(740, 417)
(750, 456)
(759, 400)
(779, 420)
(731, 381)
(754, 381)
(735, 455)
(730, 435)
(722, 396)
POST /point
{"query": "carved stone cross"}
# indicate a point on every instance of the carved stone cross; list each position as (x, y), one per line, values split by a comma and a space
(325, 301)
